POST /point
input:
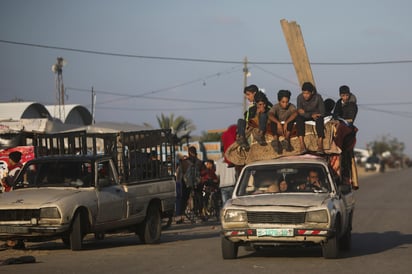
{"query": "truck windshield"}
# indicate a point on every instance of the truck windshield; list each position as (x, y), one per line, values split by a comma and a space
(269, 179)
(56, 174)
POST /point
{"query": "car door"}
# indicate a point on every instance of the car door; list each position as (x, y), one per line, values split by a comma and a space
(110, 194)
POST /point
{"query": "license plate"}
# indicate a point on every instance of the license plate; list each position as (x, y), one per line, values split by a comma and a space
(274, 232)
(13, 229)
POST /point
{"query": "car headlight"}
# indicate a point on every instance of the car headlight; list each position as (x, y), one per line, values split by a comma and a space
(49, 213)
(319, 216)
(232, 215)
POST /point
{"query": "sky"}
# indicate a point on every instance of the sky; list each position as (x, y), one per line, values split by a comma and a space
(145, 58)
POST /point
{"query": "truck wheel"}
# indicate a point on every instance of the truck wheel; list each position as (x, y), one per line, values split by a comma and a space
(330, 249)
(76, 233)
(229, 249)
(150, 230)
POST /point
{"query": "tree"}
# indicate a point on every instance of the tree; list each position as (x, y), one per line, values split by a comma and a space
(387, 143)
(180, 126)
(210, 137)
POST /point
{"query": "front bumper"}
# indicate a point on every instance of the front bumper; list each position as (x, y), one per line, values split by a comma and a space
(26, 232)
(263, 236)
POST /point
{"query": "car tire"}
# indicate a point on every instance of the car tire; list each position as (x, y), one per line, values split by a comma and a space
(229, 249)
(330, 249)
(76, 233)
(345, 242)
(150, 230)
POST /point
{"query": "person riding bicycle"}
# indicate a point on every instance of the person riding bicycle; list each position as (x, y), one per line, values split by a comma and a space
(210, 183)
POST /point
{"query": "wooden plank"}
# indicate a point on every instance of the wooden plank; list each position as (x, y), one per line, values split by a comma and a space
(304, 59)
(297, 50)
(290, 41)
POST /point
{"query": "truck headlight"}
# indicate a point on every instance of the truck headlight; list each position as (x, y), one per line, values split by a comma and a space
(319, 216)
(49, 213)
(232, 215)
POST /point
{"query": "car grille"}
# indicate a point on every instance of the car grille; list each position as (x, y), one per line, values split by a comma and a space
(19, 215)
(276, 217)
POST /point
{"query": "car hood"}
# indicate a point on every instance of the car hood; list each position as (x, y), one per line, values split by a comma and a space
(298, 200)
(35, 197)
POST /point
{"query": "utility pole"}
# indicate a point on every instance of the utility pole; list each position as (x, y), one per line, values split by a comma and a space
(58, 69)
(245, 75)
(93, 105)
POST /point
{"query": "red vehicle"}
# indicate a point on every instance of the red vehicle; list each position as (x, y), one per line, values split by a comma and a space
(26, 151)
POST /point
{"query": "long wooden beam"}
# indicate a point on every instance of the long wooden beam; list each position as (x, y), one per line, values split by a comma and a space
(297, 50)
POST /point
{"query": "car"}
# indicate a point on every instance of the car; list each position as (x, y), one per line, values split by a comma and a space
(301, 216)
(372, 163)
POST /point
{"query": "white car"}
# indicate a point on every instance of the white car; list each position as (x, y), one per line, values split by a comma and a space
(372, 164)
(256, 217)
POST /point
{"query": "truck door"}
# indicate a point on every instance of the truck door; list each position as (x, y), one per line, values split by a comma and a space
(110, 194)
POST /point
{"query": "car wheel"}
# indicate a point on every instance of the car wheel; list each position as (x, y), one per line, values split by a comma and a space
(229, 249)
(150, 230)
(330, 249)
(76, 233)
(345, 242)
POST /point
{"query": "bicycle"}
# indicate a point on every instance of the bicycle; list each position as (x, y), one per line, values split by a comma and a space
(212, 203)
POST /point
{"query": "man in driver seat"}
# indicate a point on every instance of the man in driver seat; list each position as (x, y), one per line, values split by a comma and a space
(312, 182)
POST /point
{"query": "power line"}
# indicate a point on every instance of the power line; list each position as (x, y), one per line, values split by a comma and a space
(128, 96)
(198, 59)
(395, 113)
(144, 95)
(169, 109)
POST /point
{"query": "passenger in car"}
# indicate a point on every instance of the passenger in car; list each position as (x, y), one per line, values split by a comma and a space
(272, 188)
(283, 186)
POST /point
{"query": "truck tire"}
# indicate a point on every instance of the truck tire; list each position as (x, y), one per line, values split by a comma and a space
(330, 249)
(150, 230)
(76, 233)
(229, 249)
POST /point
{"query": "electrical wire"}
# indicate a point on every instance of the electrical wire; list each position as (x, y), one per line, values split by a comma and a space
(385, 62)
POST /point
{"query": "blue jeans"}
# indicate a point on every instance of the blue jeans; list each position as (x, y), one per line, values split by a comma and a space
(226, 193)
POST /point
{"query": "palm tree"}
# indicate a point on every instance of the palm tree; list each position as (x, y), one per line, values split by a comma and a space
(180, 126)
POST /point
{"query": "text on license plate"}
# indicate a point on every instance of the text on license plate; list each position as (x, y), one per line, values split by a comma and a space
(274, 232)
(13, 229)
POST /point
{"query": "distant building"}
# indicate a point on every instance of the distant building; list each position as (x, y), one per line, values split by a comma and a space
(19, 117)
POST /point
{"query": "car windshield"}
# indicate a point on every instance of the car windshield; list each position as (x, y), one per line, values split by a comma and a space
(56, 174)
(269, 179)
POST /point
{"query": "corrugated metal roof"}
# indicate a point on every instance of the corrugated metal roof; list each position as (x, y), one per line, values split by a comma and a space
(17, 110)
(73, 114)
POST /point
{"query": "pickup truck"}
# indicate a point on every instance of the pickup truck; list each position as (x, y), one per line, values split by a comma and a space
(258, 216)
(128, 186)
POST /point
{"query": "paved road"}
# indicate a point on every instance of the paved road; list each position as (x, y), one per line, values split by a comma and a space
(382, 243)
